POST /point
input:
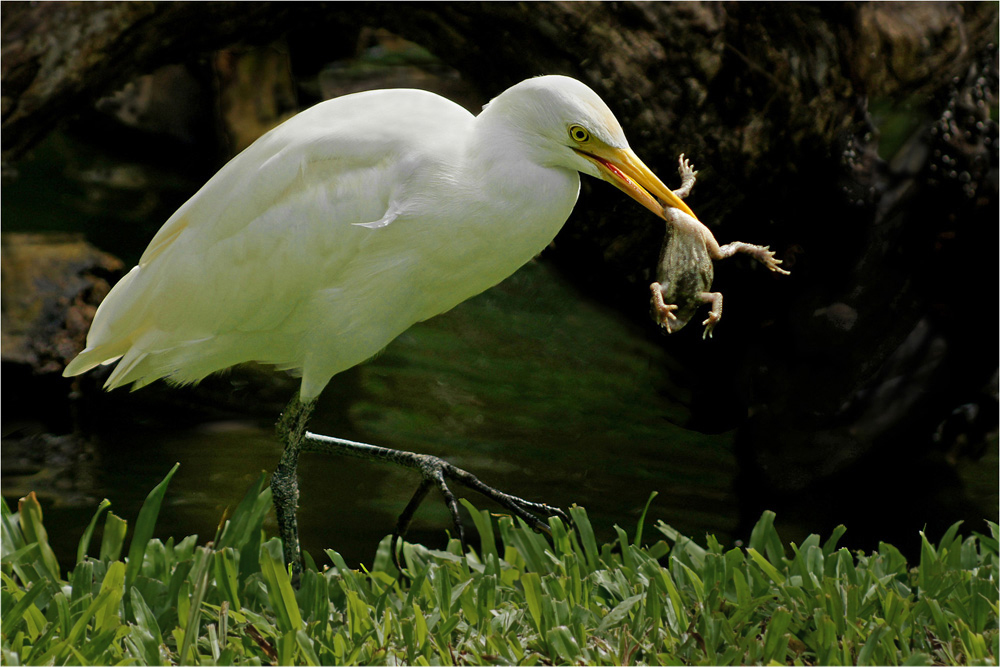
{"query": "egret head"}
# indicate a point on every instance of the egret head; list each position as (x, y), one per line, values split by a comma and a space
(563, 123)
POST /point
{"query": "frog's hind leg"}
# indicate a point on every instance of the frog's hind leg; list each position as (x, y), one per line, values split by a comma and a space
(688, 174)
(714, 313)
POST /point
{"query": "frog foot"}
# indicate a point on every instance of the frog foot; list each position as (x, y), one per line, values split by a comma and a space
(709, 324)
(685, 169)
(688, 174)
(766, 257)
(663, 313)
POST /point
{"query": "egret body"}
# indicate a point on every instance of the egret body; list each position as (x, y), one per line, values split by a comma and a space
(336, 231)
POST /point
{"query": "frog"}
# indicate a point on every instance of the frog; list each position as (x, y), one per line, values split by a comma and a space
(685, 269)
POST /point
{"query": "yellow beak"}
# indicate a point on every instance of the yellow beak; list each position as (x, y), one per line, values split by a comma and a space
(623, 169)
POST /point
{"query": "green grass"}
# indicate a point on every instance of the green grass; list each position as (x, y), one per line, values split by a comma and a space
(519, 598)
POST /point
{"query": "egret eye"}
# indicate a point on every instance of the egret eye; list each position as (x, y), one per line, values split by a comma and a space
(579, 133)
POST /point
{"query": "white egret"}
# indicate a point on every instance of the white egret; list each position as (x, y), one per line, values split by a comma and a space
(334, 232)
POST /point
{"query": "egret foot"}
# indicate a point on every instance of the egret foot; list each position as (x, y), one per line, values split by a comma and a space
(435, 472)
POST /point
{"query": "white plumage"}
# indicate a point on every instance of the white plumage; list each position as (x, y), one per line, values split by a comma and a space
(333, 233)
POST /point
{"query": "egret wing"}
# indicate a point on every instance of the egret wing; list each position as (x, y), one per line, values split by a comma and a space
(221, 282)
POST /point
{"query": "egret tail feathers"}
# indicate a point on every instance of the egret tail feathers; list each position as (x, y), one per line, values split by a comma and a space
(133, 365)
(127, 369)
(92, 358)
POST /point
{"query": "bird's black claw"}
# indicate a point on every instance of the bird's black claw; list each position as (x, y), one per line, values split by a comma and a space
(436, 472)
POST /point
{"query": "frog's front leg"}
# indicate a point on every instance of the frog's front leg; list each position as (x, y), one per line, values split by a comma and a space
(714, 313)
(663, 313)
(688, 174)
(761, 253)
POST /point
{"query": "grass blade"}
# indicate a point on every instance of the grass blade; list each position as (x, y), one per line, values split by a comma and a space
(248, 517)
(81, 550)
(33, 529)
(115, 529)
(12, 616)
(279, 587)
(642, 519)
(484, 525)
(769, 570)
(831, 544)
(533, 595)
(199, 579)
(775, 639)
(144, 526)
(144, 616)
(764, 538)
(582, 523)
(226, 579)
(106, 616)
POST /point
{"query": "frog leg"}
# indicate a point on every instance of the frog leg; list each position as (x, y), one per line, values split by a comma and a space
(663, 313)
(688, 174)
(761, 253)
(714, 313)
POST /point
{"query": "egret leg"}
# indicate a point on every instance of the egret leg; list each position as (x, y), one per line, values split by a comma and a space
(435, 472)
(291, 430)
